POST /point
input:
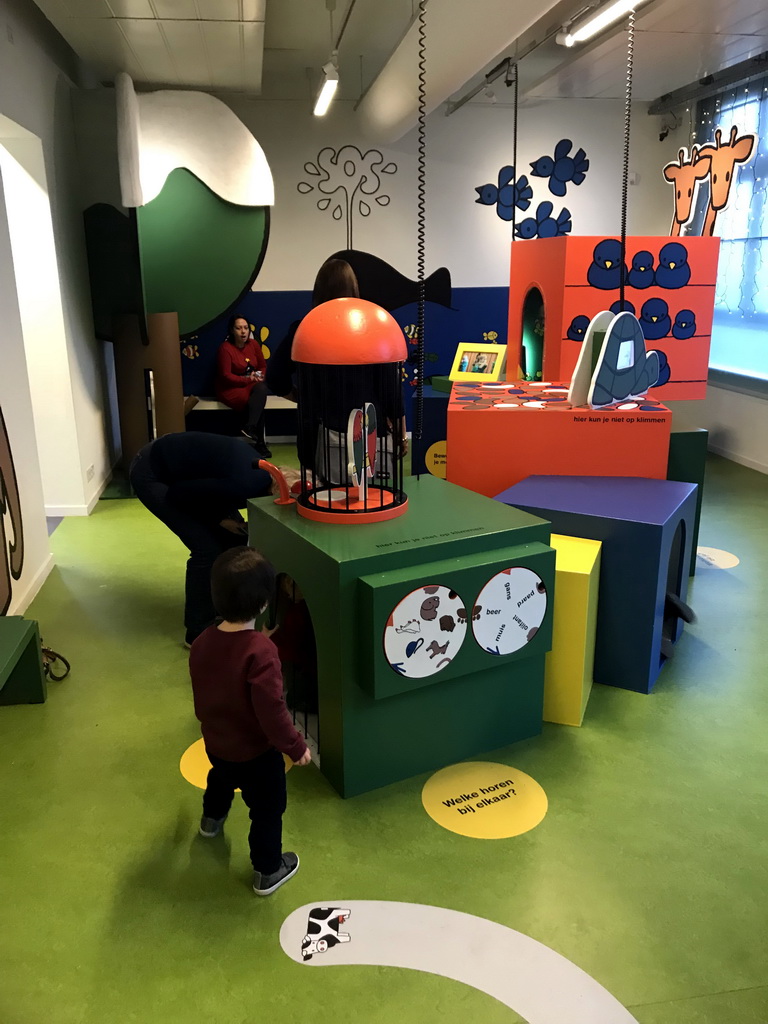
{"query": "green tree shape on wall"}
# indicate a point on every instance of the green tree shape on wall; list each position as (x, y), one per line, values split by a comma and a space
(346, 175)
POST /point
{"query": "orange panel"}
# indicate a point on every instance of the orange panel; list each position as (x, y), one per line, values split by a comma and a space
(495, 439)
(560, 267)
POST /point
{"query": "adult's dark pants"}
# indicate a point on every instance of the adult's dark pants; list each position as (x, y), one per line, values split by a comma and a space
(205, 540)
(254, 413)
(262, 785)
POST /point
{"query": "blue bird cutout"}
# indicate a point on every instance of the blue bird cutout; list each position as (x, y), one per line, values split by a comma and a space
(562, 168)
(664, 371)
(506, 194)
(544, 225)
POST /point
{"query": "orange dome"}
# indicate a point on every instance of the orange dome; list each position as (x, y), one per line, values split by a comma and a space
(347, 332)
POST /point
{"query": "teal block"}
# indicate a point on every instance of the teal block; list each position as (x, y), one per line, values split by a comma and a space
(687, 463)
(443, 384)
(377, 727)
(22, 679)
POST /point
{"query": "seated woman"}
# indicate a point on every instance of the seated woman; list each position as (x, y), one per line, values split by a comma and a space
(240, 372)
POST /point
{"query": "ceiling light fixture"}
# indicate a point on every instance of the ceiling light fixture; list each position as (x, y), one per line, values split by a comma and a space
(582, 29)
(328, 88)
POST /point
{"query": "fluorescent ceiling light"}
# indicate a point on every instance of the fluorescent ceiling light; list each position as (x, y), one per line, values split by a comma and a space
(593, 24)
(328, 90)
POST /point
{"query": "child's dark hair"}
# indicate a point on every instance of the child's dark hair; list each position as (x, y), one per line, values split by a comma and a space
(242, 582)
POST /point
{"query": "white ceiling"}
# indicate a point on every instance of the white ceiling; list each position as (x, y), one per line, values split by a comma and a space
(275, 48)
(677, 42)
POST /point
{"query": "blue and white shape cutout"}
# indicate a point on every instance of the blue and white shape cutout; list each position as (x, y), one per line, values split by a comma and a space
(613, 364)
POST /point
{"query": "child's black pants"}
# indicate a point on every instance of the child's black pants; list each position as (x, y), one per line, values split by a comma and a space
(262, 785)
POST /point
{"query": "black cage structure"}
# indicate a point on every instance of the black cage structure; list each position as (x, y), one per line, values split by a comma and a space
(349, 355)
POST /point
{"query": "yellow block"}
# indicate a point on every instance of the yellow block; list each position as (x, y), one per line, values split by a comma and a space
(570, 663)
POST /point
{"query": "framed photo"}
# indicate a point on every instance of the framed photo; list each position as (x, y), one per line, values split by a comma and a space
(477, 362)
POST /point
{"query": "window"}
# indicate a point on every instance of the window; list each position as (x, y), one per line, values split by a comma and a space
(740, 327)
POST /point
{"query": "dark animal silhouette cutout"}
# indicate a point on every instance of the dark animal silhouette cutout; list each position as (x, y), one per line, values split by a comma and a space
(11, 548)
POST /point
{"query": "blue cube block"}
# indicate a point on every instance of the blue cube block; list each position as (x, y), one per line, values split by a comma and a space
(647, 529)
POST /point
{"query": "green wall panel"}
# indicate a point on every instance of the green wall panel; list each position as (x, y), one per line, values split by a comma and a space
(198, 253)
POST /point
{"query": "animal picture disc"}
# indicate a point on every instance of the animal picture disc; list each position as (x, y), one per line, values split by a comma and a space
(356, 445)
(425, 631)
(370, 438)
(509, 610)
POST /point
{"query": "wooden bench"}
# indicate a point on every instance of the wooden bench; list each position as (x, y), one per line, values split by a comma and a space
(22, 680)
(280, 414)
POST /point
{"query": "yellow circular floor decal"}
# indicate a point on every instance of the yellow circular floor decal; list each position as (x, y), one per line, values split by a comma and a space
(484, 800)
(194, 764)
(715, 558)
(435, 459)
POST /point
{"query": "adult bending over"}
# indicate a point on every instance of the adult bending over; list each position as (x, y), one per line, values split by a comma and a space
(240, 372)
(196, 484)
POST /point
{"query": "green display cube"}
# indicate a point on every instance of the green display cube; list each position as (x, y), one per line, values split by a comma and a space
(431, 629)
(687, 463)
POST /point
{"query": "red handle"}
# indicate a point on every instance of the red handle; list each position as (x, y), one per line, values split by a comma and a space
(285, 497)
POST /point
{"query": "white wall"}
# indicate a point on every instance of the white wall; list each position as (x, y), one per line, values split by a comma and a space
(16, 405)
(36, 74)
(42, 320)
(463, 151)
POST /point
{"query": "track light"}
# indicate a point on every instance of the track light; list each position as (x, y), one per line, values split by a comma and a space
(328, 88)
(585, 28)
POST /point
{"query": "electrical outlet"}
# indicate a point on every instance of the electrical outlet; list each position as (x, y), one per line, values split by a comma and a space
(89, 473)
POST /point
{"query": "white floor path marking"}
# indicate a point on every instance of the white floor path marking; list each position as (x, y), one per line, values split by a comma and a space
(523, 974)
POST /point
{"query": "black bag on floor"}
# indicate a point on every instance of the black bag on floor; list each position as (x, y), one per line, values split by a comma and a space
(55, 665)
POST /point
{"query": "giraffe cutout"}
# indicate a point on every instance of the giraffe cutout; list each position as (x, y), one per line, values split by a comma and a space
(687, 174)
(723, 159)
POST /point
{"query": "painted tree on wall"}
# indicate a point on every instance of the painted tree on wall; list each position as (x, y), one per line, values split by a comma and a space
(344, 177)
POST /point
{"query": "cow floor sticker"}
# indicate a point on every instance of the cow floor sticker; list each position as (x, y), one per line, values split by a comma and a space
(531, 979)
(509, 610)
(324, 930)
(425, 631)
(484, 800)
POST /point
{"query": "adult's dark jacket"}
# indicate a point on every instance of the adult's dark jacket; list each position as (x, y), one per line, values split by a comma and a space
(208, 475)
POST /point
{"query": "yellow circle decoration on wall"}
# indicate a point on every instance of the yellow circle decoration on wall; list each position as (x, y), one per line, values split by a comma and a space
(715, 558)
(435, 459)
(484, 800)
(194, 764)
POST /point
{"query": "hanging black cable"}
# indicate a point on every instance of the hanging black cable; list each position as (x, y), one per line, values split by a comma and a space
(625, 172)
(421, 223)
(514, 151)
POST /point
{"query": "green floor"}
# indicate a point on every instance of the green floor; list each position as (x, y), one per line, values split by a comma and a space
(650, 870)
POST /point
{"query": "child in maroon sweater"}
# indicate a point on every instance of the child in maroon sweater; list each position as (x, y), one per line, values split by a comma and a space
(238, 690)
